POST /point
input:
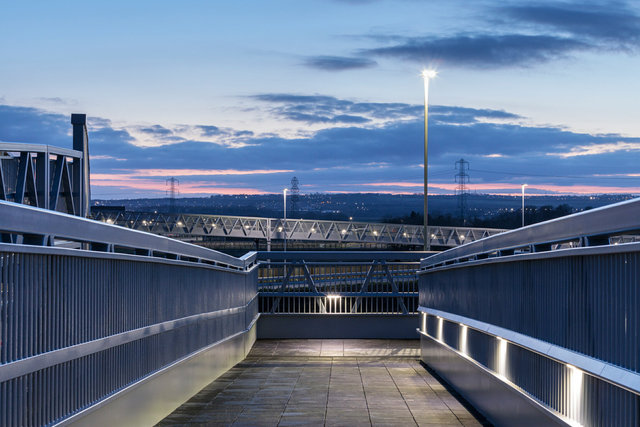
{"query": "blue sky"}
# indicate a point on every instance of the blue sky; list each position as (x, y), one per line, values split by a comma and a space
(239, 97)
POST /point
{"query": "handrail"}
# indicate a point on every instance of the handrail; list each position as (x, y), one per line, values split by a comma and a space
(49, 225)
(39, 148)
(608, 372)
(341, 256)
(591, 228)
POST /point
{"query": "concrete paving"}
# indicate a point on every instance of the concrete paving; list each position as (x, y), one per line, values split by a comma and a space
(326, 383)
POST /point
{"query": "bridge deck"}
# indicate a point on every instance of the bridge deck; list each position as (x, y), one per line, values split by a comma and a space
(326, 382)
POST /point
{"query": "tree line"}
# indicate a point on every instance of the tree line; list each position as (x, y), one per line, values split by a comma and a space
(504, 219)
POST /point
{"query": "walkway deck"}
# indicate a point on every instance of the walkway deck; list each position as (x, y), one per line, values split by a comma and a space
(326, 383)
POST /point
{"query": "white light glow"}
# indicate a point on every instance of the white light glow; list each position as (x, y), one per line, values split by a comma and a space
(424, 322)
(502, 358)
(428, 74)
(440, 327)
(334, 303)
(109, 221)
(463, 338)
(574, 405)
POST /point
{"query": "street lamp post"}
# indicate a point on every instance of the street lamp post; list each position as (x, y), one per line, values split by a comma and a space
(523, 185)
(284, 223)
(426, 76)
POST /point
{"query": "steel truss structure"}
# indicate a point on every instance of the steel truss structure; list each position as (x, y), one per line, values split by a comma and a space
(338, 282)
(41, 176)
(187, 226)
(48, 177)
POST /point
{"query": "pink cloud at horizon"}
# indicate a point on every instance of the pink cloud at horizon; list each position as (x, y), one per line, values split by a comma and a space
(488, 187)
(198, 187)
(133, 173)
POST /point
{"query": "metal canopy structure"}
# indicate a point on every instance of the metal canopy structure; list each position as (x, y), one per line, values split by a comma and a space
(194, 226)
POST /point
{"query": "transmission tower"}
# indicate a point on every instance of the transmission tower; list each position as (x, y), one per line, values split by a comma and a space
(295, 195)
(172, 192)
(462, 179)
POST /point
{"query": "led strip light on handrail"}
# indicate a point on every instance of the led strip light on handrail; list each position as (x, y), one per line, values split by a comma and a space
(620, 377)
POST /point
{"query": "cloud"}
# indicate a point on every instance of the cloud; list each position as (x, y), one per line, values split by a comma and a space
(155, 187)
(107, 157)
(26, 124)
(320, 109)
(523, 36)
(156, 130)
(385, 157)
(201, 172)
(482, 50)
(56, 100)
(465, 115)
(156, 135)
(209, 130)
(610, 26)
(595, 149)
(339, 63)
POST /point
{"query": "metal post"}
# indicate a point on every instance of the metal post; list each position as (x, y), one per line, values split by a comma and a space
(268, 234)
(523, 185)
(43, 186)
(284, 223)
(81, 185)
(427, 237)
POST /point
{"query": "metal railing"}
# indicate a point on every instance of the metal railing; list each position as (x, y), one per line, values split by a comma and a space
(338, 282)
(80, 326)
(192, 226)
(550, 309)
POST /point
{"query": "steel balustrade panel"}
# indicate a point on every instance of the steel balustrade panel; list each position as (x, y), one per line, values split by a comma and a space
(582, 398)
(50, 302)
(338, 287)
(588, 304)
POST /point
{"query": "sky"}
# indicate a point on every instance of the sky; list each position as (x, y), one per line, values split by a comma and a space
(238, 97)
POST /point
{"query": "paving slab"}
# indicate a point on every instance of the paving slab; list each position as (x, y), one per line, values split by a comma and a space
(327, 383)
